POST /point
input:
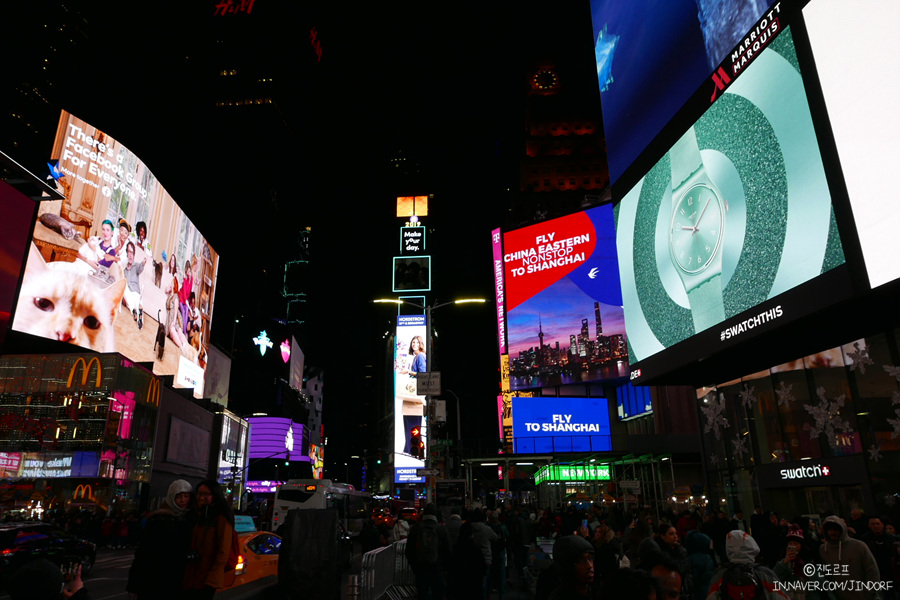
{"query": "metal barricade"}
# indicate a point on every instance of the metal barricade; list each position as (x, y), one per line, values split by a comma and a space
(385, 571)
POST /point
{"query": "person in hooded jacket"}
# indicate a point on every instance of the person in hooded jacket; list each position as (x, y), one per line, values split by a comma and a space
(210, 542)
(163, 548)
(742, 549)
(854, 556)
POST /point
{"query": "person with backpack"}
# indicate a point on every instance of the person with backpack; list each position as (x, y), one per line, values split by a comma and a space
(428, 554)
(211, 542)
(467, 568)
(741, 577)
(484, 537)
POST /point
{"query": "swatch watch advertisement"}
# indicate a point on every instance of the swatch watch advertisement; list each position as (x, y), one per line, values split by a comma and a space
(734, 216)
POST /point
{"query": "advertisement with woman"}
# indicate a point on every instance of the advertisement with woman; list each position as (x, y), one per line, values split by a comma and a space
(116, 265)
(410, 359)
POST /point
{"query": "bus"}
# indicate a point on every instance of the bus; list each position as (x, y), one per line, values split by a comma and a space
(353, 506)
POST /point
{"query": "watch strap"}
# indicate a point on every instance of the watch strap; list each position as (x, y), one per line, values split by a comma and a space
(707, 304)
(685, 158)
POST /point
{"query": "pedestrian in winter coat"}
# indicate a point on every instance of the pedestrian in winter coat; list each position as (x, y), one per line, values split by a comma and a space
(855, 558)
(210, 542)
(742, 549)
(700, 555)
(163, 549)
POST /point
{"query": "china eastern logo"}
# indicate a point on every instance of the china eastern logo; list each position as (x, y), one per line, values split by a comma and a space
(806, 472)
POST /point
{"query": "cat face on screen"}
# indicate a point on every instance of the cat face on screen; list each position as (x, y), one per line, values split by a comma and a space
(65, 305)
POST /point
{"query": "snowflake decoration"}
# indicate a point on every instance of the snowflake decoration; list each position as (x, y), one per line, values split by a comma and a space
(785, 394)
(827, 418)
(715, 419)
(714, 460)
(895, 397)
(893, 371)
(740, 446)
(895, 423)
(747, 396)
(860, 358)
(874, 453)
(890, 500)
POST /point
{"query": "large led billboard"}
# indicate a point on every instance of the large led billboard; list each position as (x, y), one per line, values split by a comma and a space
(17, 215)
(561, 425)
(652, 56)
(116, 266)
(410, 359)
(563, 320)
(276, 438)
(866, 126)
(732, 232)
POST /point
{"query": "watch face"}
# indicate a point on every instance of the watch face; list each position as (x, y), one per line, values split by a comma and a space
(697, 227)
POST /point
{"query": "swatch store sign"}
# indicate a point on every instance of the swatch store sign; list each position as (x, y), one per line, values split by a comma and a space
(810, 472)
(835, 471)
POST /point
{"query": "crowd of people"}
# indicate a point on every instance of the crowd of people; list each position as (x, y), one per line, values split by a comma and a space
(181, 549)
(611, 554)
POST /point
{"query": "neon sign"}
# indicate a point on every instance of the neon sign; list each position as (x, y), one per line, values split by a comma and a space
(806, 472)
(263, 341)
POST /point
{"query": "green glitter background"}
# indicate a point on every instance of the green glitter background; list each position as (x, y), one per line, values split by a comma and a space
(738, 129)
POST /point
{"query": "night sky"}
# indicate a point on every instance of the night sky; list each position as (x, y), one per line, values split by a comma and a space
(443, 85)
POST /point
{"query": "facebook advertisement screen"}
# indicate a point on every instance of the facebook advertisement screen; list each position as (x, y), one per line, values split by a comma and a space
(564, 317)
(410, 356)
(561, 425)
(116, 266)
(732, 232)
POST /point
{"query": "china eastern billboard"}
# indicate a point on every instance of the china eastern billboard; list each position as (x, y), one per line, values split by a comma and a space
(563, 319)
(117, 266)
(732, 232)
(561, 425)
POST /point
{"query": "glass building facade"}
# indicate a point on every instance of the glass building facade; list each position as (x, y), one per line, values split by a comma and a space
(75, 430)
(816, 435)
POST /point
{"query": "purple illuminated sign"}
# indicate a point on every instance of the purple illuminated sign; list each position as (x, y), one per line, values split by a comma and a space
(276, 437)
(262, 487)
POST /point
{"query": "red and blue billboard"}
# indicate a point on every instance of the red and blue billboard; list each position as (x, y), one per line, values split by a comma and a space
(563, 320)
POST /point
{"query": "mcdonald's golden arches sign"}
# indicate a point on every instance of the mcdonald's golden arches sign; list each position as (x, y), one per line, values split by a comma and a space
(85, 372)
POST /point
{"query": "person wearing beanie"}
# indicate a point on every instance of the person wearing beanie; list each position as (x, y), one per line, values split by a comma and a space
(161, 558)
(573, 561)
(790, 568)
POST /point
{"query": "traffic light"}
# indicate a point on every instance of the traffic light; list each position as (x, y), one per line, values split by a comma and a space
(415, 442)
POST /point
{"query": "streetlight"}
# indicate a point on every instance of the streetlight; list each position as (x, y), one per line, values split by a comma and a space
(429, 408)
